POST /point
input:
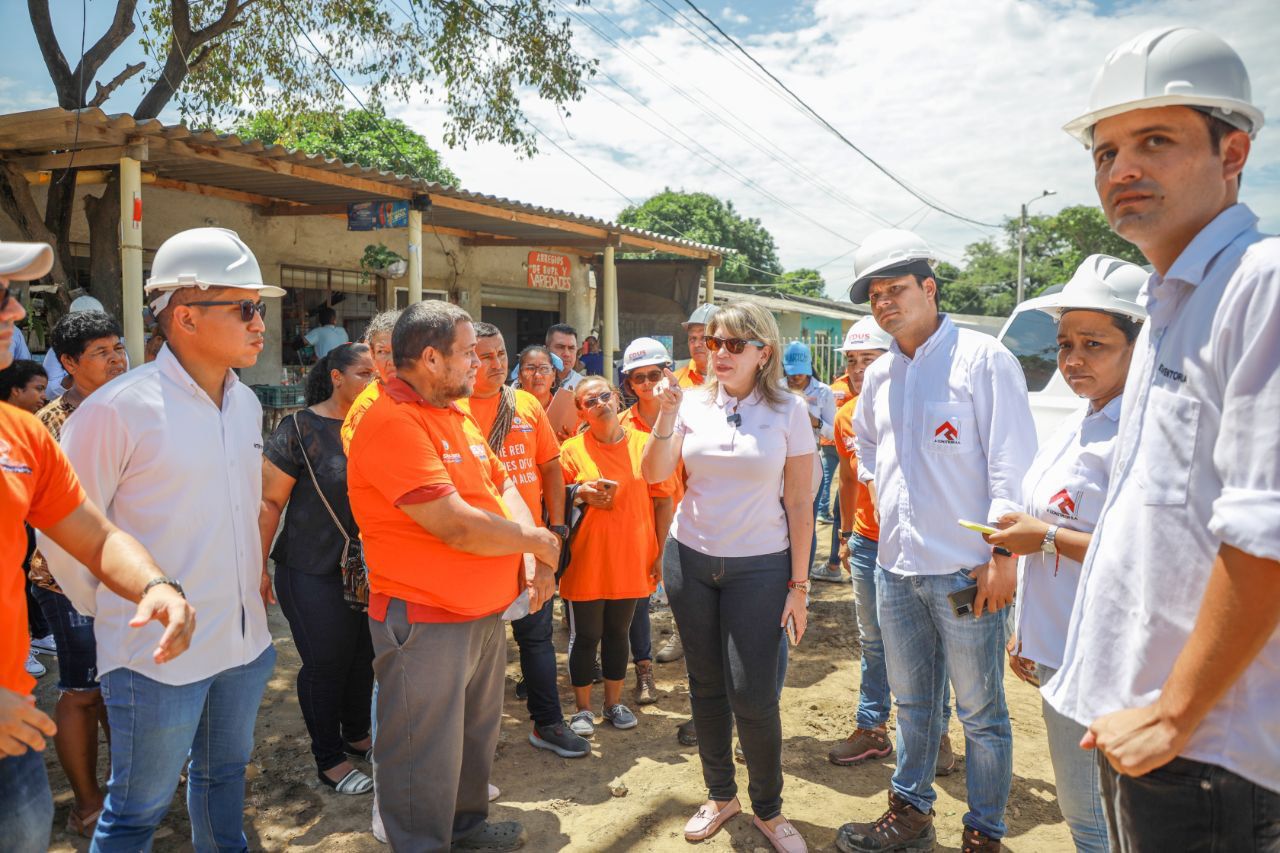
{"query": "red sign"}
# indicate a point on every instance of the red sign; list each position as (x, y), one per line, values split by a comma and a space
(548, 271)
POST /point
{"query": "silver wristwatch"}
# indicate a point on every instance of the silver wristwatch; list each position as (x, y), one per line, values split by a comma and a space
(1050, 545)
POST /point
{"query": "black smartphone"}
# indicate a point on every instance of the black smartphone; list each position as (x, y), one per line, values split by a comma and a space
(962, 600)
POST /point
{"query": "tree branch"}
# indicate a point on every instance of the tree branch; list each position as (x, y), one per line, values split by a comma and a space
(17, 203)
(54, 60)
(104, 92)
(183, 56)
(121, 28)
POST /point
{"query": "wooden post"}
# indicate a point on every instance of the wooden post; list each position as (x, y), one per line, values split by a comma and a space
(131, 259)
(609, 310)
(415, 256)
(711, 285)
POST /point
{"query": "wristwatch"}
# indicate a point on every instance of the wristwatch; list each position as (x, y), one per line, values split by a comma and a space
(561, 530)
(158, 581)
(845, 534)
(803, 585)
(1050, 544)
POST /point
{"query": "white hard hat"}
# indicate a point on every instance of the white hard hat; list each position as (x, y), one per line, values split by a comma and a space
(86, 303)
(701, 316)
(204, 258)
(1172, 66)
(643, 352)
(24, 261)
(1102, 283)
(883, 253)
(864, 335)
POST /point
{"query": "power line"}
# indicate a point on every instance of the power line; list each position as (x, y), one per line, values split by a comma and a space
(826, 124)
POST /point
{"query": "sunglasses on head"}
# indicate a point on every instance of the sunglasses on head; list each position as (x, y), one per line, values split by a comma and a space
(600, 399)
(247, 307)
(650, 378)
(733, 345)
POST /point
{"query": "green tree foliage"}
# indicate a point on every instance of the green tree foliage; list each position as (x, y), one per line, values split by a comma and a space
(707, 219)
(802, 282)
(1055, 246)
(352, 136)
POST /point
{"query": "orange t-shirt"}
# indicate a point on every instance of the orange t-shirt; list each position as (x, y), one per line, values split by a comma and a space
(359, 407)
(843, 393)
(38, 486)
(408, 451)
(613, 549)
(689, 377)
(630, 419)
(864, 512)
(529, 443)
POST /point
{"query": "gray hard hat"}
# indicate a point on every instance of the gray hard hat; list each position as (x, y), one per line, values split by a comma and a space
(700, 316)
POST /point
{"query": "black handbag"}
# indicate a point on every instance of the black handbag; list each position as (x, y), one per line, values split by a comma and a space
(355, 574)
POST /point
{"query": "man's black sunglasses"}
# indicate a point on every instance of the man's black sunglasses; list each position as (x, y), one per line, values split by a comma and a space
(247, 307)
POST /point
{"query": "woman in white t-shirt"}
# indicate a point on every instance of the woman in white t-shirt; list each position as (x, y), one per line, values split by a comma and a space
(748, 451)
(1065, 487)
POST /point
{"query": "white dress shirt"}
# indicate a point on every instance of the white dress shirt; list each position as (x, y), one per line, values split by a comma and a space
(1066, 487)
(184, 477)
(945, 435)
(1197, 466)
(732, 506)
(821, 403)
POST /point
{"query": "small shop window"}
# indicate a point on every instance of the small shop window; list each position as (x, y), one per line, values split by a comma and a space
(352, 294)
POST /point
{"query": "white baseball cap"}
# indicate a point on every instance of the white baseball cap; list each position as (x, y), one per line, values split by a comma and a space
(24, 261)
(865, 334)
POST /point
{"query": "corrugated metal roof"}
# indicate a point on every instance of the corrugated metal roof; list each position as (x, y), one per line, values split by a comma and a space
(42, 132)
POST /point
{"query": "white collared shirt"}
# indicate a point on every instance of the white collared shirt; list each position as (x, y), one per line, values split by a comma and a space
(1197, 466)
(945, 435)
(733, 503)
(571, 380)
(184, 477)
(1066, 487)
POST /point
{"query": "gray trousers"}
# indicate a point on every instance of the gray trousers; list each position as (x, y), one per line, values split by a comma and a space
(439, 710)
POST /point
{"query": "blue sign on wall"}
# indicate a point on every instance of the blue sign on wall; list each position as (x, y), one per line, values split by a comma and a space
(372, 215)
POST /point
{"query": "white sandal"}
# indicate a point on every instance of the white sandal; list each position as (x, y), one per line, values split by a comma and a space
(354, 782)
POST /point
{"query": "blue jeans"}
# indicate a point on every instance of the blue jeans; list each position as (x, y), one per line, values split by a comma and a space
(154, 727)
(641, 635)
(1075, 773)
(874, 700)
(925, 643)
(77, 648)
(26, 807)
(830, 459)
(538, 665)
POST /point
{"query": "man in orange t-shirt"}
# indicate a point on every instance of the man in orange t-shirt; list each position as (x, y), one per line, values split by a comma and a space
(528, 448)
(38, 487)
(444, 530)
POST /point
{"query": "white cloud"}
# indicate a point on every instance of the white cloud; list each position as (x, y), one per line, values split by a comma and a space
(965, 101)
(732, 16)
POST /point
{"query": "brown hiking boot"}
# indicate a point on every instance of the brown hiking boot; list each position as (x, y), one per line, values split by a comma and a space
(973, 841)
(902, 827)
(862, 745)
(646, 691)
(946, 763)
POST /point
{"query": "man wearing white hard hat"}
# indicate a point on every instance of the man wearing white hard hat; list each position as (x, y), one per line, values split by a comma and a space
(1098, 320)
(39, 487)
(172, 453)
(1172, 656)
(943, 433)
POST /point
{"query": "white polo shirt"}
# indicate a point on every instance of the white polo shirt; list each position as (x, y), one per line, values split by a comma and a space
(732, 506)
(945, 435)
(185, 478)
(1197, 466)
(1066, 486)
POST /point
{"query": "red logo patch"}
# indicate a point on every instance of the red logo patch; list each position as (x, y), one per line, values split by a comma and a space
(1065, 503)
(948, 432)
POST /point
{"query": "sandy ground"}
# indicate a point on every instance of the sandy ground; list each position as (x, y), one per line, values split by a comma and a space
(571, 804)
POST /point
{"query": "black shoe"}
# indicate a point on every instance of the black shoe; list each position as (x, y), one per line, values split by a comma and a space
(496, 837)
(522, 690)
(560, 740)
(687, 734)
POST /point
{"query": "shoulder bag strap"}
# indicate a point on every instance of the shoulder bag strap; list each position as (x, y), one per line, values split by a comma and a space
(314, 482)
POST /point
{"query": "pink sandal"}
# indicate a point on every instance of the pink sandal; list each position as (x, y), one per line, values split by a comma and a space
(785, 839)
(706, 823)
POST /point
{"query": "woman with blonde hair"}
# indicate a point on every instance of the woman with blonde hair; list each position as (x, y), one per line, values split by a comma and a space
(748, 451)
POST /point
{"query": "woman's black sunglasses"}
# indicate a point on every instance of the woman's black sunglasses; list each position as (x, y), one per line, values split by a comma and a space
(247, 307)
(733, 345)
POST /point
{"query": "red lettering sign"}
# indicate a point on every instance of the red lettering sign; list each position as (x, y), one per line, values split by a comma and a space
(548, 271)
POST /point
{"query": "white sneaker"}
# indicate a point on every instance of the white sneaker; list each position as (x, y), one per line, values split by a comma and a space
(35, 669)
(44, 645)
(673, 650)
(583, 724)
(494, 793)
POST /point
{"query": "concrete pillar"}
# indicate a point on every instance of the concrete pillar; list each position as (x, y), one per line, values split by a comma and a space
(131, 259)
(415, 256)
(711, 285)
(577, 302)
(609, 308)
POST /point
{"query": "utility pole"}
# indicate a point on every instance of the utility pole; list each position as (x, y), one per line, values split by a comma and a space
(1022, 243)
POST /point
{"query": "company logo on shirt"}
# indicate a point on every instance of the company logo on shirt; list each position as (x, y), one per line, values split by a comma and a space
(1170, 373)
(478, 451)
(519, 425)
(947, 433)
(8, 465)
(1066, 504)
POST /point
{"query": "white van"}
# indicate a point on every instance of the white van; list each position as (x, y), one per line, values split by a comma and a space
(1032, 336)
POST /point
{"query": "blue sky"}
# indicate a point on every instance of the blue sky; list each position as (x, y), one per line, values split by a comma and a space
(963, 100)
